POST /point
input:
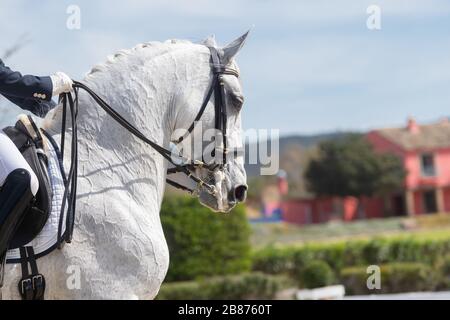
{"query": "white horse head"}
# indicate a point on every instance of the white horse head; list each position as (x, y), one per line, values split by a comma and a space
(118, 244)
(229, 181)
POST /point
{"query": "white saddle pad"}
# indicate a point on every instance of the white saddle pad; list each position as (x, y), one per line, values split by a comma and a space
(46, 240)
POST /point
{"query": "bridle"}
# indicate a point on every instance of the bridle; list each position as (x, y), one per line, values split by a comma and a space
(220, 124)
(181, 165)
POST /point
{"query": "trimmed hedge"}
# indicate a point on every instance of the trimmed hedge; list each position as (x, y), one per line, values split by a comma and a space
(444, 265)
(315, 274)
(338, 255)
(183, 290)
(203, 243)
(444, 270)
(394, 278)
(241, 287)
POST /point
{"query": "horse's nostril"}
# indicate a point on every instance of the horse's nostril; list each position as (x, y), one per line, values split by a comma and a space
(240, 193)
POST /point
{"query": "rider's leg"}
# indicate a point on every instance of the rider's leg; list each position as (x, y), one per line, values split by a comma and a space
(11, 159)
(18, 185)
(15, 196)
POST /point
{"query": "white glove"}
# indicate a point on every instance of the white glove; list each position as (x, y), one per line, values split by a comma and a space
(61, 83)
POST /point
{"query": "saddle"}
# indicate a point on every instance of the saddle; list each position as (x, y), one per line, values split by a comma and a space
(28, 220)
(28, 139)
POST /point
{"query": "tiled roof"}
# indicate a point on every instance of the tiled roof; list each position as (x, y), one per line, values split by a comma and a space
(430, 136)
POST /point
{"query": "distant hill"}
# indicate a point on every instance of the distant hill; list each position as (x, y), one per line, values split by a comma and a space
(307, 141)
(294, 143)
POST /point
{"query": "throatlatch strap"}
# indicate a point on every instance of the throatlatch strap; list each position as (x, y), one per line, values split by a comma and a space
(31, 286)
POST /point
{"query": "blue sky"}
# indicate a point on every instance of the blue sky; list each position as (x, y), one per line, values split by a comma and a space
(308, 66)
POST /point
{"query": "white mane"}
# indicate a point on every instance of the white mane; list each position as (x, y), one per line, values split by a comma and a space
(153, 49)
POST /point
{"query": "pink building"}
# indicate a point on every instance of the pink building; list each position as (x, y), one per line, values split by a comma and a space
(425, 152)
(319, 210)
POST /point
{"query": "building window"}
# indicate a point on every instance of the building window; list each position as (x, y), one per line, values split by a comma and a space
(427, 165)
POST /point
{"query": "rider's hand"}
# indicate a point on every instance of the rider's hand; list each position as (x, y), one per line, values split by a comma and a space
(61, 83)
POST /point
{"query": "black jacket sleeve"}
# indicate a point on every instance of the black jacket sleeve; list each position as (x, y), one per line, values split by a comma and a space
(29, 92)
(37, 107)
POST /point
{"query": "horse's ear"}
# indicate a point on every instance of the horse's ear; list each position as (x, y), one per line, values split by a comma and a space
(231, 49)
(210, 41)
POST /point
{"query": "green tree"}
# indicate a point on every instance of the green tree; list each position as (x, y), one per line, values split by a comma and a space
(203, 243)
(350, 167)
(392, 173)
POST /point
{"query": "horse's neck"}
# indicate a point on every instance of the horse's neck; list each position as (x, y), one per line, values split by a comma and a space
(110, 158)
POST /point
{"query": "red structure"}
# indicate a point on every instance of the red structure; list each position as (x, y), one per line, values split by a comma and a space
(319, 210)
(425, 153)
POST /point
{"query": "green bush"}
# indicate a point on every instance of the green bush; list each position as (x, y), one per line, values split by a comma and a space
(240, 287)
(445, 266)
(394, 278)
(186, 290)
(315, 274)
(204, 243)
(250, 286)
(444, 271)
(339, 255)
(273, 260)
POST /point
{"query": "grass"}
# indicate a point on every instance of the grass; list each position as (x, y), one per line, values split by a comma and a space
(437, 225)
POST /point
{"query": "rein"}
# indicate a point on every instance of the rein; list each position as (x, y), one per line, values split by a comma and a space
(188, 167)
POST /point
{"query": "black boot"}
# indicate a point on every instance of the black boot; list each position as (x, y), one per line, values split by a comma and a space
(15, 197)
